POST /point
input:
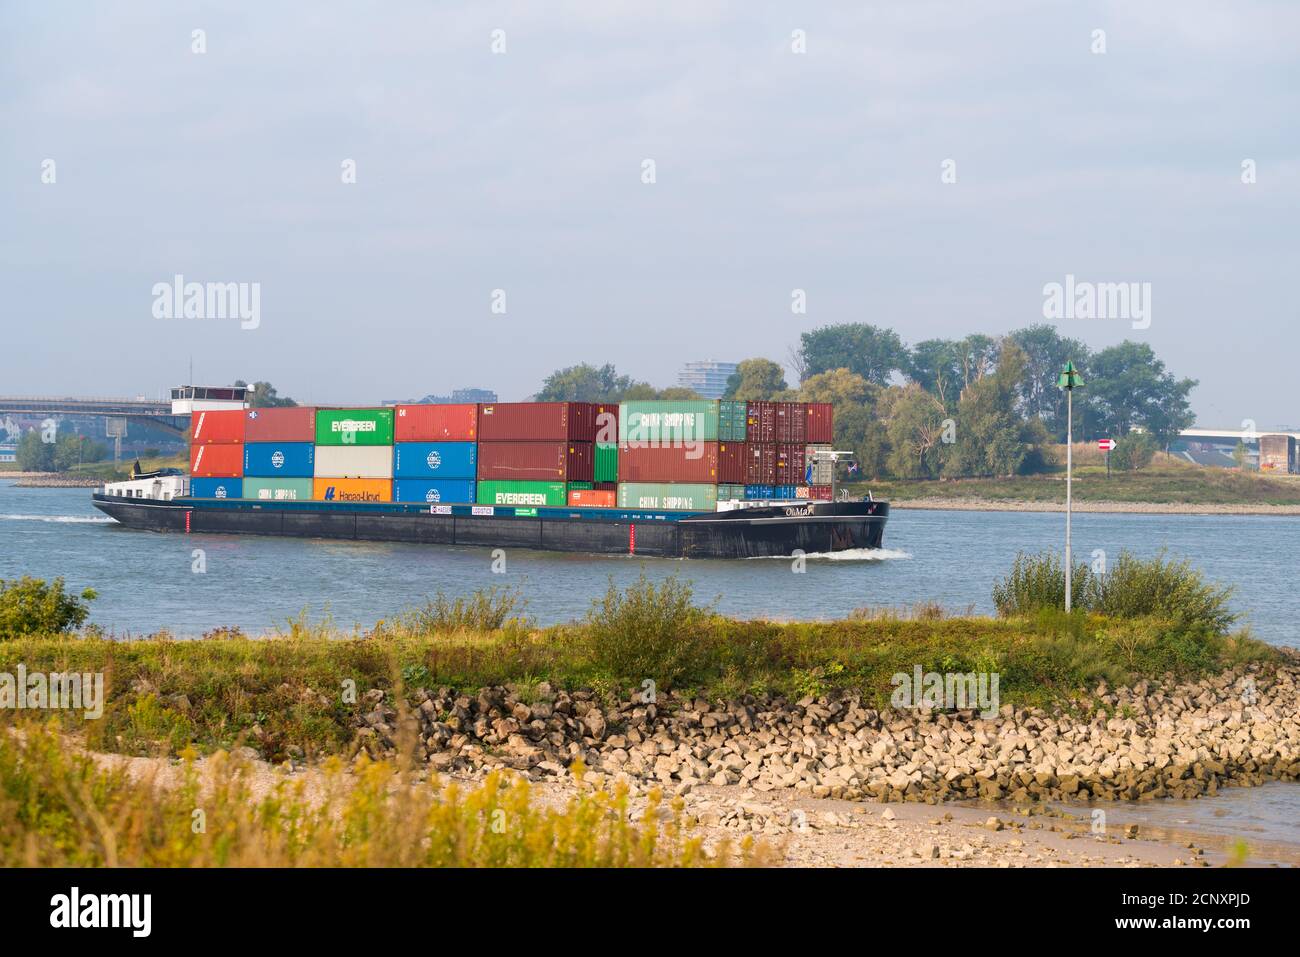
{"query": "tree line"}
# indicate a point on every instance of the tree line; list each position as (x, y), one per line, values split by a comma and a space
(978, 406)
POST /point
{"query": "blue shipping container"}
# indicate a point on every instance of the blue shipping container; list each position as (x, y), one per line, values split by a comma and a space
(759, 492)
(216, 488)
(786, 491)
(280, 459)
(442, 460)
(445, 491)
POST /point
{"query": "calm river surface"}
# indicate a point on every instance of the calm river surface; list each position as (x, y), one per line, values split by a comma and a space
(145, 583)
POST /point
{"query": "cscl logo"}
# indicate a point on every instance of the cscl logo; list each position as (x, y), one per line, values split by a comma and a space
(433, 495)
(277, 459)
(329, 494)
(434, 460)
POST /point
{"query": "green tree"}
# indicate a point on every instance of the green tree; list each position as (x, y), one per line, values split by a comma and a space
(262, 395)
(71, 450)
(875, 354)
(859, 424)
(992, 438)
(945, 367)
(1129, 386)
(30, 606)
(755, 380)
(587, 383)
(1133, 451)
(676, 392)
(915, 431)
(33, 455)
(1046, 353)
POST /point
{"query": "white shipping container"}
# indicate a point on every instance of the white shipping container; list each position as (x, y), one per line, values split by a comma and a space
(354, 461)
(822, 469)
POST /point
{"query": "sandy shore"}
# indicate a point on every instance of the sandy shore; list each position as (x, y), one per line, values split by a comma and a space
(1153, 508)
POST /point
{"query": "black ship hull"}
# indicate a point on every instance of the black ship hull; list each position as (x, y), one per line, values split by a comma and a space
(775, 530)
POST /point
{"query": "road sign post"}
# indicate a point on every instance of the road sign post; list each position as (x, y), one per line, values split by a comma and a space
(1106, 445)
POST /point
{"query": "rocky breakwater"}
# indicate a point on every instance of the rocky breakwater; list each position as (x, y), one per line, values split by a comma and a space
(1143, 742)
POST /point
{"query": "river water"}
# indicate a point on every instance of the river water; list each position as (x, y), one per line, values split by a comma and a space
(146, 582)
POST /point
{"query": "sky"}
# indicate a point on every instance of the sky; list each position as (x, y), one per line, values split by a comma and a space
(500, 154)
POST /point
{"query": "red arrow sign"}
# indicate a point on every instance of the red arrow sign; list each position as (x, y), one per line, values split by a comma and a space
(1105, 444)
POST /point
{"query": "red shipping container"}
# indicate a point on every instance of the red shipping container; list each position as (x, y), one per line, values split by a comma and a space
(436, 423)
(217, 461)
(761, 422)
(535, 461)
(760, 463)
(593, 497)
(821, 422)
(222, 427)
(819, 493)
(606, 424)
(537, 421)
(293, 424)
(732, 461)
(790, 465)
(791, 421)
(668, 464)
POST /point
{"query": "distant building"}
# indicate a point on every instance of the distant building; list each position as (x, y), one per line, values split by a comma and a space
(708, 378)
(457, 397)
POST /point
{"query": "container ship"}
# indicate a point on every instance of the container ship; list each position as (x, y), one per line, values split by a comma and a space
(691, 479)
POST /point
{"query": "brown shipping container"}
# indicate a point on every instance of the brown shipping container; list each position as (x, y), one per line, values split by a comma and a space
(217, 461)
(537, 421)
(593, 497)
(760, 463)
(436, 423)
(535, 461)
(789, 465)
(732, 462)
(819, 493)
(761, 422)
(295, 424)
(606, 423)
(821, 422)
(640, 464)
(791, 422)
(221, 427)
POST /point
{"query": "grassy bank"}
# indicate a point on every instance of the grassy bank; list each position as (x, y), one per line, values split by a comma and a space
(1167, 480)
(304, 693)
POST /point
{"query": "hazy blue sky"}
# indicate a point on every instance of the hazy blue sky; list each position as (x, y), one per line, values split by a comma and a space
(522, 171)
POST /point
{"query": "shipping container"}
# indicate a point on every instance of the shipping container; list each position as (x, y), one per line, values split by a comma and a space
(785, 492)
(605, 467)
(535, 461)
(435, 460)
(789, 464)
(354, 427)
(821, 422)
(760, 463)
(760, 493)
(280, 459)
(761, 422)
(667, 422)
(819, 493)
(791, 422)
(219, 427)
(732, 420)
(733, 460)
(436, 423)
(434, 490)
(606, 424)
(817, 471)
(216, 488)
(278, 490)
(354, 461)
(295, 424)
(522, 493)
(669, 497)
(352, 490)
(537, 421)
(217, 461)
(728, 493)
(593, 498)
(695, 464)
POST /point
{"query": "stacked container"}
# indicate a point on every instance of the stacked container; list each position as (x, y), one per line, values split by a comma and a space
(534, 453)
(217, 454)
(279, 454)
(777, 438)
(354, 455)
(435, 454)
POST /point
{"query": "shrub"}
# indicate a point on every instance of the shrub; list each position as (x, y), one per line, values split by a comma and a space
(486, 609)
(1133, 451)
(1038, 581)
(648, 632)
(29, 606)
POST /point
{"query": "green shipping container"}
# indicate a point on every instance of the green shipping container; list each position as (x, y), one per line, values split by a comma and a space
(278, 490)
(606, 463)
(668, 421)
(523, 493)
(668, 496)
(733, 420)
(727, 492)
(354, 427)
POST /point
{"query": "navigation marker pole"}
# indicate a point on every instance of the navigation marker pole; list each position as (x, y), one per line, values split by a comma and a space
(1069, 380)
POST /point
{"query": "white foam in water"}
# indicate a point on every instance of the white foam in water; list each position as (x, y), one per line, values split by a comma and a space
(92, 519)
(850, 555)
